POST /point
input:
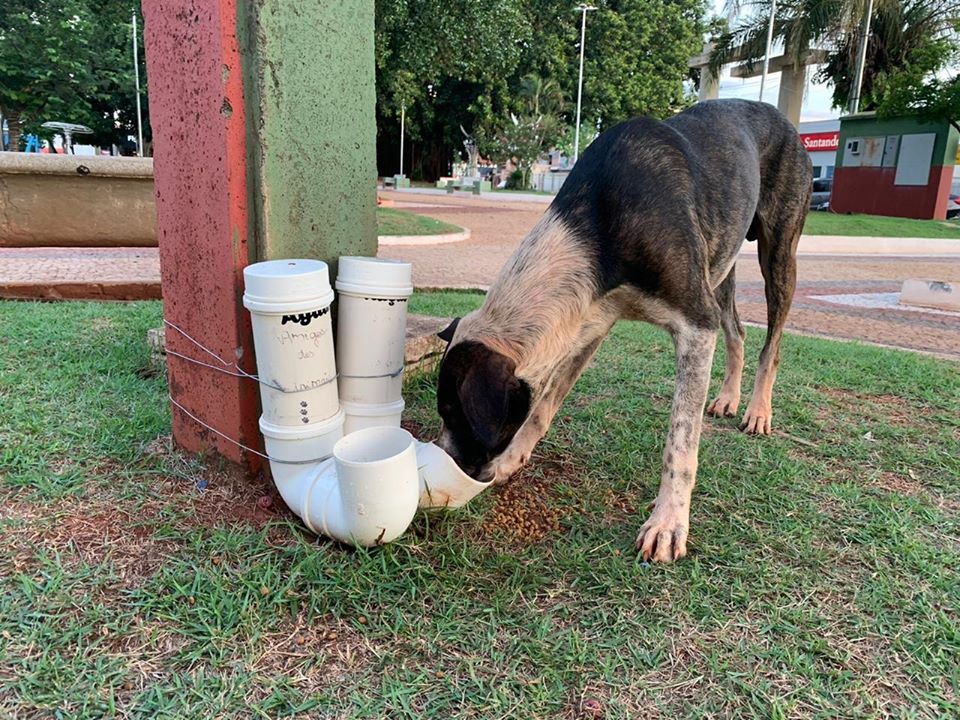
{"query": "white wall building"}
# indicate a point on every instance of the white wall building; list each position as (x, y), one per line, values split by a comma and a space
(821, 139)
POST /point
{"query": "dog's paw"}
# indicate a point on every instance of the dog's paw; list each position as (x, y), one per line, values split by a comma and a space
(758, 419)
(724, 405)
(663, 537)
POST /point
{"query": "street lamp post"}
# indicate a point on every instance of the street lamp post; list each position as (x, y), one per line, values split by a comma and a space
(861, 61)
(583, 9)
(766, 55)
(403, 122)
(136, 73)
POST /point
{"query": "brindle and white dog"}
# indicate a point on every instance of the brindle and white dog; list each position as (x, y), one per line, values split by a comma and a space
(647, 227)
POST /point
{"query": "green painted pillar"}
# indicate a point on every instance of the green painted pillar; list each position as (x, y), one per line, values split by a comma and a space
(264, 148)
(310, 88)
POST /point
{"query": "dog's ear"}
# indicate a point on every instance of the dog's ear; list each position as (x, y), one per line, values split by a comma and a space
(494, 401)
(447, 334)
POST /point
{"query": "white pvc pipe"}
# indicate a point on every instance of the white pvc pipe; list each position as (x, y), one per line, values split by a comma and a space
(289, 304)
(361, 488)
(371, 337)
(442, 483)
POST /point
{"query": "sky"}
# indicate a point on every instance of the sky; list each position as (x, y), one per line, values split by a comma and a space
(816, 98)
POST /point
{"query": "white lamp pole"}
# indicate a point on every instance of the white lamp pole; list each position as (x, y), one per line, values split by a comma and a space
(766, 55)
(403, 122)
(136, 73)
(861, 61)
(583, 9)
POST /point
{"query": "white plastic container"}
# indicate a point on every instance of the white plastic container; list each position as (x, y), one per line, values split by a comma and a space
(289, 304)
(310, 442)
(360, 415)
(372, 328)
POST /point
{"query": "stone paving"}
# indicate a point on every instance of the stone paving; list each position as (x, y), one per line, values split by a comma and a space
(496, 227)
(90, 273)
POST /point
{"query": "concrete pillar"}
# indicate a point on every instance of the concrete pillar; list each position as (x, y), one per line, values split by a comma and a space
(263, 124)
(709, 82)
(793, 81)
(709, 85)
(310, 70)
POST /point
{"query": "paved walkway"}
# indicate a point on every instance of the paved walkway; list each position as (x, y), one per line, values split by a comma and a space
(828, 269)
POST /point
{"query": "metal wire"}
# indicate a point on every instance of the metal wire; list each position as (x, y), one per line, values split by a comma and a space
(241, 445)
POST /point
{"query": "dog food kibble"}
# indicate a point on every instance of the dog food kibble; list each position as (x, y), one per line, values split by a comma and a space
(523, 511)
(264, 591)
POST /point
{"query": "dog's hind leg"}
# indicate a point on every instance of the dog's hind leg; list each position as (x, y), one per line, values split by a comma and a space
(663, 536)
(728, 400)
(777, 248)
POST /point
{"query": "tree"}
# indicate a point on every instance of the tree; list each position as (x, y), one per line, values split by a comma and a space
(447, 63)
(524, 138)
(899, 31)
(897, 28)
(630, 68)
(111, 102)
(44, 61)
(924, 87)
(68, 60)
(464, 63)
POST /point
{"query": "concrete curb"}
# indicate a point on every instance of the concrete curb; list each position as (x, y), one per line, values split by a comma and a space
(423, 239)
(59, 290)
(869, 245)
(491, 195)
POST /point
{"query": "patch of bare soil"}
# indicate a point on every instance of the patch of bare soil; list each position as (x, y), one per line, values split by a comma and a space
(107, 526)
(892, 409)
(215, 494)
(311, 654)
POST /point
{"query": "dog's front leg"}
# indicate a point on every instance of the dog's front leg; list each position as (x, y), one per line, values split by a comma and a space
(663, 536)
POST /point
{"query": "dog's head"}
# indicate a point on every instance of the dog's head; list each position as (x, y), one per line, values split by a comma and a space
(481, 401)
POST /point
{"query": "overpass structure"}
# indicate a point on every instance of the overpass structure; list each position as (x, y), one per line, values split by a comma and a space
(793, 76)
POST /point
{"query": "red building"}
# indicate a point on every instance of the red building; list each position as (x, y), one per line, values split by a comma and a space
(899, 167)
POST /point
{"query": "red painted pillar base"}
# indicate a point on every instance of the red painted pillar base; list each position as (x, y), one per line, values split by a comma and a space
(200, 168)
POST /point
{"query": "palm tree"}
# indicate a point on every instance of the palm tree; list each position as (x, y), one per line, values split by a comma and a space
(896, 31)
(897, 28)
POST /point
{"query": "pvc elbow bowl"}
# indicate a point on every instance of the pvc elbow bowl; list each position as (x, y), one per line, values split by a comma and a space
(442, 482)
(368, 493)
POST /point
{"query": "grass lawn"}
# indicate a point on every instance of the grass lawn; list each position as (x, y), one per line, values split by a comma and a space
(823, 578)
(400, 222)
(826, 223)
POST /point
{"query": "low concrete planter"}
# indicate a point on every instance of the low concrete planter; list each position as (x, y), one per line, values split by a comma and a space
(76, 201)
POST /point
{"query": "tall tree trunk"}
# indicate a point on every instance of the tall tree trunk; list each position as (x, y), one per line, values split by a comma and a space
(13, 123)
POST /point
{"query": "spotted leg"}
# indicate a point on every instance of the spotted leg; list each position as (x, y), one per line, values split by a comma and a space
(663, 537)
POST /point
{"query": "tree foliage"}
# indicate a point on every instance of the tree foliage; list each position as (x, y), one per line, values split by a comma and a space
(537, 126)
(900, 35)
(465, 63)
(69, 61)
(897, 29)
(926, 86)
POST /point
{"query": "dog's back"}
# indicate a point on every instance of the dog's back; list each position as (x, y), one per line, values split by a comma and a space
(716, 167)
